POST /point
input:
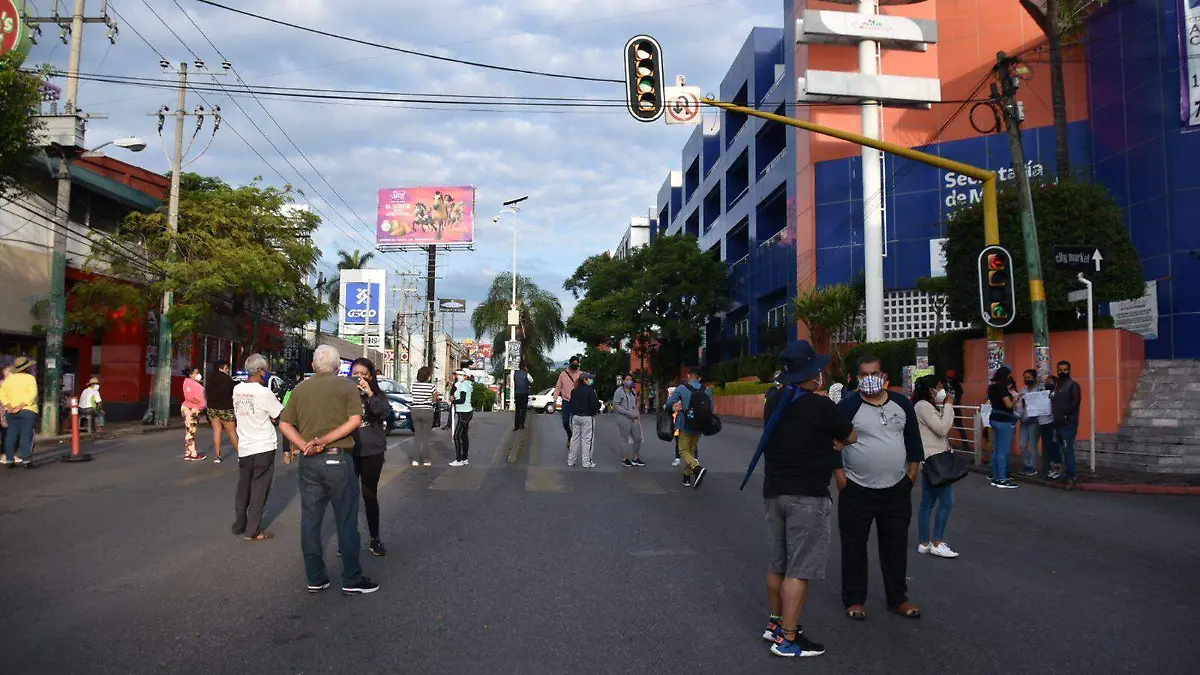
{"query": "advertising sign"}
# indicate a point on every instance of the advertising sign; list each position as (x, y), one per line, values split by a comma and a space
(512, 354)
(1139, 315)
(421, 216)
(362, 302)
(1189, 52)
(485, 350)
(363, 305)
(14, 34)
(452, 306)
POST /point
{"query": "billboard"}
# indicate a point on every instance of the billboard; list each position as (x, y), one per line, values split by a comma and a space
(420, 216)
(362, 305)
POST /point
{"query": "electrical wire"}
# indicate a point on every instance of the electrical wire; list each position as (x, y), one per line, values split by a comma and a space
(411, 52)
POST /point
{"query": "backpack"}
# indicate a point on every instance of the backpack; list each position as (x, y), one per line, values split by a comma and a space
(699, 414)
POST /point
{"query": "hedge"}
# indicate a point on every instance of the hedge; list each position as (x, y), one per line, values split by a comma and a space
(761, 366)
(743, 388)
(945, 353)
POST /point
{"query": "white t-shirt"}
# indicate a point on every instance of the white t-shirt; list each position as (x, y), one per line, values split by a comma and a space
(90, 398)
(254, 406)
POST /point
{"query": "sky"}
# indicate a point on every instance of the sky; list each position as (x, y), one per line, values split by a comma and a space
(586, 171)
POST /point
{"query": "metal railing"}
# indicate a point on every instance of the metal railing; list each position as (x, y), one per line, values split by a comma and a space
(967, 433)
(771, 165)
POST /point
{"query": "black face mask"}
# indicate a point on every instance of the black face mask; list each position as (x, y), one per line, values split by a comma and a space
(1064, 373)
(574, 366)
(1029, 380)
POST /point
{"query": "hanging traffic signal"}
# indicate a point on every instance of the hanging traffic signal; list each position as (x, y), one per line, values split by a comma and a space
(644, 78)
(997, 291)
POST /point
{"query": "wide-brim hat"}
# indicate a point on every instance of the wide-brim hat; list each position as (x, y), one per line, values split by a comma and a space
(22, 364)
(800, 363)
(94, 380)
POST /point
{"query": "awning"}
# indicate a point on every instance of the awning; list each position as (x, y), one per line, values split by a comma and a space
(103, 185)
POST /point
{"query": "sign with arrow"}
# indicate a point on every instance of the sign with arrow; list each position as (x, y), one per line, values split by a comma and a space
(683, 105)
(1079, 258)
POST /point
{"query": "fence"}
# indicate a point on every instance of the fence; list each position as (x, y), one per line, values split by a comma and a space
(967, 433)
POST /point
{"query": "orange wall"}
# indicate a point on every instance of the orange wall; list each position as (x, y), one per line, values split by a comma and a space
(1119, 359)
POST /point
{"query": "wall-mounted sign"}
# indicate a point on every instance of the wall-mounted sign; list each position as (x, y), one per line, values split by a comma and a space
(15, 37)
(1189, 52)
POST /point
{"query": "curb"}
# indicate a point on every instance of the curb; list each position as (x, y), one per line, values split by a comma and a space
(1111, 488)
(47, 450)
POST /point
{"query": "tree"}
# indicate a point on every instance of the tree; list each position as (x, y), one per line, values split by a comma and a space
(346, 261)
(831, 314)
(239, 254)
(606, 365)
(656, 301)
(541, 324)
(1068, 212)
(20, 98)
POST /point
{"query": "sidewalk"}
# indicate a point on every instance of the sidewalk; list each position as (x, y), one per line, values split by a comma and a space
(50, 448)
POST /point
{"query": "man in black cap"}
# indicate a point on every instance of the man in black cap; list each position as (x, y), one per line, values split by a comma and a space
(800, 456)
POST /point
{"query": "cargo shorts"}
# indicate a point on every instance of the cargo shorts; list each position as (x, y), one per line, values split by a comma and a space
(799, 533)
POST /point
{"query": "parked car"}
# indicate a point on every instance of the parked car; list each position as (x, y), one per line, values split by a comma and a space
(400, 399)
(545, 402)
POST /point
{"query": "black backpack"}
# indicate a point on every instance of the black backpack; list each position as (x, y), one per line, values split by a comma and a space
(699, 412)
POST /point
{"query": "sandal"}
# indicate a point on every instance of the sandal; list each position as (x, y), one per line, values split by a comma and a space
(907, 610)
(261, 536)
(856, 612)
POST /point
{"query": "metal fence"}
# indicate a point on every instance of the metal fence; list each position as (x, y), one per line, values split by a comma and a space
(967, 433)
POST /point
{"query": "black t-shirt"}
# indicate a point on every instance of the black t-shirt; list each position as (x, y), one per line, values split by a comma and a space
(996, 393)
(799, 455)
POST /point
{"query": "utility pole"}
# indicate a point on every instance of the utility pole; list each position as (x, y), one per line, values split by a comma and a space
(320, 297)
(162, 375)
(1013, 116)
(57, 310)
(430, 299)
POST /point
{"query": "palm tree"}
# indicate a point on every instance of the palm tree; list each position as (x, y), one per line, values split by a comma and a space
(541, 323)
(346, 261)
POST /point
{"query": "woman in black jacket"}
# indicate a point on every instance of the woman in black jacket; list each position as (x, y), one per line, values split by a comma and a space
(370, 444)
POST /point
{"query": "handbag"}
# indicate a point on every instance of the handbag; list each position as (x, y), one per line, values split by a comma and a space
(665, 426)
(944, 468)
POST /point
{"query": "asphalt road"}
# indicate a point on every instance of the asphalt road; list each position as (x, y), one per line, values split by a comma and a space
(518, 564)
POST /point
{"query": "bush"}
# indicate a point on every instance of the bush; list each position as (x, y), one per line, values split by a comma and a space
(743, 388)
(761, 366)
(895, 354)
(482, 398)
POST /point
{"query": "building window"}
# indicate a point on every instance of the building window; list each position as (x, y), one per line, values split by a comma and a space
(777, 316)
(741, 329)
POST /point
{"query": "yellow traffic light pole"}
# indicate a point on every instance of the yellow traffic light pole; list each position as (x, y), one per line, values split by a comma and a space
(991, 223)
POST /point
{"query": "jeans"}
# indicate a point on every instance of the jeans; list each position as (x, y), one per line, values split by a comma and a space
(1029, 443)
(1050, 453)
(255, 473)
(19, 438)
(1002, 438)
(943, 497)
(566, 417)
(462, 438)
(329, 479)
(522, 401)
(891, 511)
(1066, 443)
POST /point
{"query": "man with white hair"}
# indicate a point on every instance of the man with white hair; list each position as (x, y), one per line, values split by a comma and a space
(320, 418)
(255, 408)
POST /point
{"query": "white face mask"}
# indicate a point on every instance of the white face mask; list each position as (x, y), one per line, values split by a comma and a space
(199, 377)
(941, 396)
(871, 385)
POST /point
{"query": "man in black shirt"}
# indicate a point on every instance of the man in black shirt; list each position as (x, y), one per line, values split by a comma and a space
(800, 457)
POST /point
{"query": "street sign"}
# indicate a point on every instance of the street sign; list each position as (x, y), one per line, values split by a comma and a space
(403, 357)
(452, 306)
(1077, 296)
(683, 105)
(1079, 258)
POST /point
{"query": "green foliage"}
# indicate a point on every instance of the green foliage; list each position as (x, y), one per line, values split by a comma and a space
(1068, 213)
(606, 366)
(831, 314)
(895, 354)
(239, 253)
(743, 388)
(541, 324)
(482, 398)
(658, 300)
(760, 366)
(19, 102)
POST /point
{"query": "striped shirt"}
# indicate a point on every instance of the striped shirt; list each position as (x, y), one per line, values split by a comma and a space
(422, 395)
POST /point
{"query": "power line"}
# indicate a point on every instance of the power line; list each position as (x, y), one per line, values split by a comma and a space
(411, 52)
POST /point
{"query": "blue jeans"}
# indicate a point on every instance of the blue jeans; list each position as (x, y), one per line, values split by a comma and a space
(20, 435)
(326, 479)
(566, 417)
(1002, 438)
(943, 497)
(1066, 444)
(1029, 443)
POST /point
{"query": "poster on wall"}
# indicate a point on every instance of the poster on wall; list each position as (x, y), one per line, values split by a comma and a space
(1139, 315)
(1189, 52)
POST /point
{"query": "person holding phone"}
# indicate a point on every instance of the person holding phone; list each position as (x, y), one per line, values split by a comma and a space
(370, 444)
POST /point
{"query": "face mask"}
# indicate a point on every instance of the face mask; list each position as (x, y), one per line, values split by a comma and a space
(629, 385)
(1029, 381)
(1064, 373)
(871, 385)
(941, 396)
(589, 382)
(574, 366)
(199, 377)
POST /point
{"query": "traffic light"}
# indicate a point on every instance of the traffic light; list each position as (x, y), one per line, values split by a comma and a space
(997, 292)
(644, 78)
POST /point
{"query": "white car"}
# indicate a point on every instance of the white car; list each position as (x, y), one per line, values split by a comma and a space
(545, 402)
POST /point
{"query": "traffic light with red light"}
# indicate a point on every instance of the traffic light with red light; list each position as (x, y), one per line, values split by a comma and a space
(997, 290)
(644, 78)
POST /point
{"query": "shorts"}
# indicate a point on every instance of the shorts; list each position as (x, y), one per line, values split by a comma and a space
(223, 415)
(798, 535)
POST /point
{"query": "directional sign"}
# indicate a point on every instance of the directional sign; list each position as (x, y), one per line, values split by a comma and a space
(1077, 296)
(452, 306)
(683, 105)
(1079, 258)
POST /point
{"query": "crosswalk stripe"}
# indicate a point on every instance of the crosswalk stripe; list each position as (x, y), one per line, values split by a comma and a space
(546, 479)
(461, 479)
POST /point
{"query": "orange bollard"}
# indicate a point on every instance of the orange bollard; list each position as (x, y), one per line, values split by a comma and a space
(76, 455)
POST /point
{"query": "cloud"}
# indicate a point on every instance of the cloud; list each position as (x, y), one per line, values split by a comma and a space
(587, 171)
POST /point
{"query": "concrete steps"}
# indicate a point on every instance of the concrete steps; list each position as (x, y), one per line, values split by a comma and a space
(1161, 431)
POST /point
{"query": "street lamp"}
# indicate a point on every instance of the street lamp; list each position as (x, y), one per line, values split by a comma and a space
(514, 316)
(132, 144)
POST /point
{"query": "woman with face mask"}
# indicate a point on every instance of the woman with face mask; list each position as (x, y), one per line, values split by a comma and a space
(1003, 422)
(629, 421)
(934, 405)
(194, 403)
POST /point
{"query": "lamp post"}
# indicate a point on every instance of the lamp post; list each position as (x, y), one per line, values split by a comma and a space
(514, 316)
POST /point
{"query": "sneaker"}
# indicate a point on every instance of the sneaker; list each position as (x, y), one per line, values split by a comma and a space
(1054, 475)
(923, 548)
(466, 462)
(376, 548)
(570, 463)
(456, 463)
(317, 588)
(17, 461)
(677, 462)
(416, 463)
(196, 458)
(1006, 484)
(801, 647)
(1010, 483)
(943, 551)
(687, 481)
(217, 460)
(698, 475)
(772, 629)
(627, 462)
(427, 463)
(589, 465)
(1030, 473)
(637, 461)
(363, 587)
